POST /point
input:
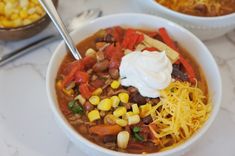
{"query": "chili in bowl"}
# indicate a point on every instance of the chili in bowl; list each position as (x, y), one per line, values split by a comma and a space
(144, 86)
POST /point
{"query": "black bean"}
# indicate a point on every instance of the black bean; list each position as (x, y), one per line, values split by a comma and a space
(137, 98)
(109, 138)
(147, 120)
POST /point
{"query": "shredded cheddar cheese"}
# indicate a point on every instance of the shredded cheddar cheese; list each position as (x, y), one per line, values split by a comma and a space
(182, 110)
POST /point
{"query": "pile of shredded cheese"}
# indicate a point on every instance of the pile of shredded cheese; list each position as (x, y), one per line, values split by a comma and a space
(182, 110)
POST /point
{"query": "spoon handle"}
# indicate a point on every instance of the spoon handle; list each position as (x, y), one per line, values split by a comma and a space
(51, 11)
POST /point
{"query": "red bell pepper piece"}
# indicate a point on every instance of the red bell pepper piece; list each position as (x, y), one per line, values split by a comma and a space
(166, 38)
(74, 67)
(81, 77)
(84, 90)
(152, 34)
(188, 68)
(150, 49)
(88, 61)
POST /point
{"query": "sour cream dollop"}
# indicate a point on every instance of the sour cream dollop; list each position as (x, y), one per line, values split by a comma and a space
(149, 72)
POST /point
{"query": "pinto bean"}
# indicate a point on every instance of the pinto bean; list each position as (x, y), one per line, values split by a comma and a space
(100, 56)
(114, 73)
(101, 66)
(97, 83)
(88, 106)
(132, 89)
(82, 129)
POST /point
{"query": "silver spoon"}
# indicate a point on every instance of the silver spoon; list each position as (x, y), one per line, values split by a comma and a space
(51, 11)
(81, 18)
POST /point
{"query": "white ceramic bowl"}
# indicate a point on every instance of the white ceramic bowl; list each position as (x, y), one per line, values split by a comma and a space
(204, 27)
(196, 48)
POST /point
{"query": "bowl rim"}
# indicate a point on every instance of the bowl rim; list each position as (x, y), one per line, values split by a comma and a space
(70, 131)
(187, 16)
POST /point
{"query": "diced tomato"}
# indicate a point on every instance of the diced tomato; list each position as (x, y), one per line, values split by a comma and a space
(75, 66)
(118, 34)
(114, 63)
(112, 50)
(81, 77)
(84, 90)
(88, 61)
(131, 39)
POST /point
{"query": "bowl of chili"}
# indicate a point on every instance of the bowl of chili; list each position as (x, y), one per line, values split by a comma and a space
(206, 19)
(85, 104)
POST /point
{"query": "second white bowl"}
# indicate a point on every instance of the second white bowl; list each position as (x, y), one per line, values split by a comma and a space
(204, 27)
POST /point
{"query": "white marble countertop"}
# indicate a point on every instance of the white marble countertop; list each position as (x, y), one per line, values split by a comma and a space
(27, 127)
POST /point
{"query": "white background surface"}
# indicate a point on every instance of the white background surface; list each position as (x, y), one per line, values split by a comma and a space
(27, 127)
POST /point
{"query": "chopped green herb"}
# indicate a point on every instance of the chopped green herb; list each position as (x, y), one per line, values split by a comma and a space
(136, 129)
(138, 137)
(71, 104)
(75, 107)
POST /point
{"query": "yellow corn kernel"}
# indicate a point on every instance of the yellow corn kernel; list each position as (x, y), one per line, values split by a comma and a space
(121, 122)
(26, 21)
(110, 119)
(119, 111)
(97, 92)
(125, 116)
(34, 17)
(93, 115)
(14, 16)
(115, 101)
(39, 10)
(23, 14)
(135, 109)
(90, 52)
(31, 5)
(94, 100)
(134, 119)
(145, 110)
(2, 8)
(105, 104)
(115, 84)
(59, 84)
(124, 97)
(69, 92)
(7, 23)
(34, 1)
(81, 99)
(17, 22)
